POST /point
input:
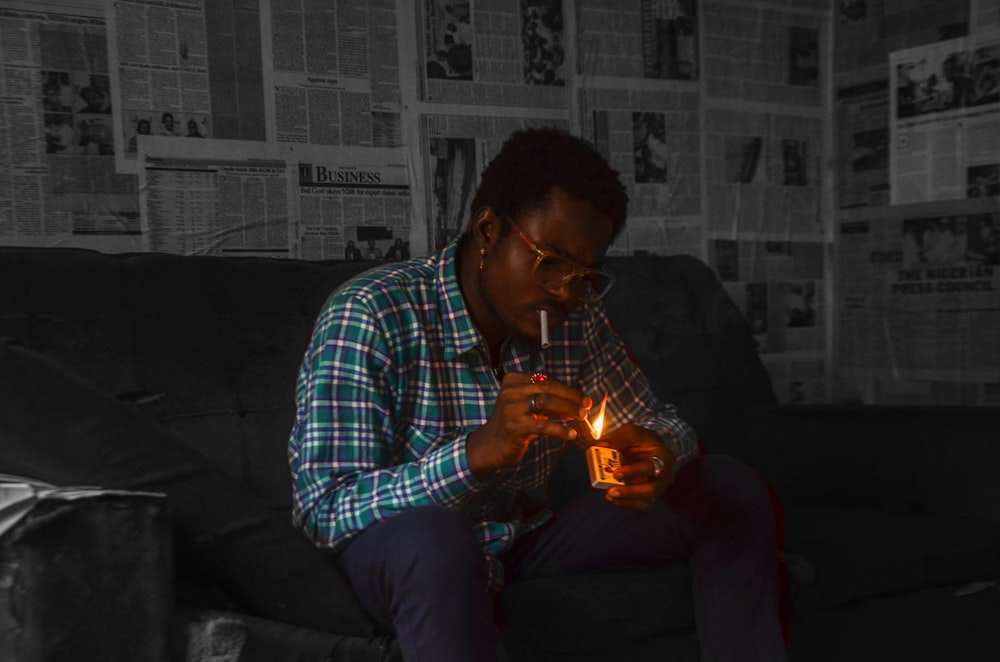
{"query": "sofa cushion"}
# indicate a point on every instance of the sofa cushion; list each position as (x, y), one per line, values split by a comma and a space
(860, 554)
(61, 429)
(598, 610)
(692, 342)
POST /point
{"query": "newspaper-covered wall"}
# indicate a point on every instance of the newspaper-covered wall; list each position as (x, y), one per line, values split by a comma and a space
(802, 148)
(764, 139)
(916, 296)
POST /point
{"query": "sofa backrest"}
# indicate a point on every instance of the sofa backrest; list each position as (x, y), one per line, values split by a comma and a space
(210, 346)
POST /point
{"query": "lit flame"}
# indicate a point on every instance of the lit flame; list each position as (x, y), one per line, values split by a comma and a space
(597, 426)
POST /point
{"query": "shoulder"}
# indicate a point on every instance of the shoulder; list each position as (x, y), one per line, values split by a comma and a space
(388, 291)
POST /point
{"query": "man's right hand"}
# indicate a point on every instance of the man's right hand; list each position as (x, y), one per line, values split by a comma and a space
(504, 439)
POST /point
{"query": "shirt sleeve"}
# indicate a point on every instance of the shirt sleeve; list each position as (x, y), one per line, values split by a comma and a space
(344, 473)
(630, 398)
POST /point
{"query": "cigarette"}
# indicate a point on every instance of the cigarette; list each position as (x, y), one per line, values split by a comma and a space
(544, 314)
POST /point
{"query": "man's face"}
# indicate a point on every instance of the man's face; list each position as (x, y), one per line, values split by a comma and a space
(567, 227)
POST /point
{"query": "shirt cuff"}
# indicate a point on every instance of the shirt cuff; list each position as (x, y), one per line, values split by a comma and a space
(446, 475)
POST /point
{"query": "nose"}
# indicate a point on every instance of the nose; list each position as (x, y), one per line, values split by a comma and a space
(566, 292)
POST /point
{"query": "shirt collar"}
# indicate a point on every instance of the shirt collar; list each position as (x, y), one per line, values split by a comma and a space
(460, 334)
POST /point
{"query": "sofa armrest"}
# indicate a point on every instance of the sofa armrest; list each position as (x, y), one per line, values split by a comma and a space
(919, 460)
(87, 578)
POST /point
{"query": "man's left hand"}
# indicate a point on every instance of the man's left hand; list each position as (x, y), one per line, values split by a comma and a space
(645, 480)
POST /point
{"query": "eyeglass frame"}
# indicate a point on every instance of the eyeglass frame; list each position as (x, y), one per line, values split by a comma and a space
(579, 272)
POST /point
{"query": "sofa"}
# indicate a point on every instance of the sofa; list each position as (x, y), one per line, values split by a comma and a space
(171, 378)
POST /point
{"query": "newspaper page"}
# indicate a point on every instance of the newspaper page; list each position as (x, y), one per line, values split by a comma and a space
(919, 305)
(510, 54)
(778, 285)
(352, 209)
(196, 201)
(863, 143)
(184, 69)
(647, 136)
(58, 184)
(945, 120)
(330, 85)
(458, 149)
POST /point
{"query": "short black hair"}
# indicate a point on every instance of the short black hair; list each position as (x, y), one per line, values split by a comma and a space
(520, 178)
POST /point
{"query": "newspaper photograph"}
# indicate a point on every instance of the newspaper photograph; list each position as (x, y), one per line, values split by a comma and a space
(649, 147)
(58, 152)
(449, 43)
(945, 118)
(669, 39)
(803, 56)
(542, 41)
(454, 176)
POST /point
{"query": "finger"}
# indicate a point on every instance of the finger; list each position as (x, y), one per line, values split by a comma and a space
(626, 502)
(644, 491)
(558, 404)
(535, 425)
(641, 470)
(553, 388)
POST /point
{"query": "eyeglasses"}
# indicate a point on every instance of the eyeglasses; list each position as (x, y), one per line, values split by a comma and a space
(554, 272)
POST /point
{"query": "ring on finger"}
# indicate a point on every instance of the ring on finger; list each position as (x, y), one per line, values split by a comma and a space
(658, 466)
(533, 405)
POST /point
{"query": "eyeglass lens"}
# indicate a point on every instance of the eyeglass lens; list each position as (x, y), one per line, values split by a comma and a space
(555, 273)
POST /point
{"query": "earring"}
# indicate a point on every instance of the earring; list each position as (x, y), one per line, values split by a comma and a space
(482, 258)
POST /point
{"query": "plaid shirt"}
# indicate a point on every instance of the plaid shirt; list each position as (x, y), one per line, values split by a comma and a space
(396, 377)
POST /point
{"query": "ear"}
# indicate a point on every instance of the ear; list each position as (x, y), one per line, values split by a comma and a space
(485, 227)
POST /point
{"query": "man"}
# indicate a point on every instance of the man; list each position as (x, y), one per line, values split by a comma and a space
(167, 125)
(425, 436)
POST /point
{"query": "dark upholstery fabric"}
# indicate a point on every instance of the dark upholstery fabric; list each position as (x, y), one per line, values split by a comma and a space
(579, 612)
(929, 625)
(936, 461)
(210, 346)
(57, 427)
(70, 568)
(858, 554)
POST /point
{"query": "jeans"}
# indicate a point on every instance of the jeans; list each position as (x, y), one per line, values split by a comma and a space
(423, 574)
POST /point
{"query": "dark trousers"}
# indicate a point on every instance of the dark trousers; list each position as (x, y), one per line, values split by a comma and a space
(422, 572)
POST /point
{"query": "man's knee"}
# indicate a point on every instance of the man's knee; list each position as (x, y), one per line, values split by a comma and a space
(432, 539)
